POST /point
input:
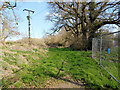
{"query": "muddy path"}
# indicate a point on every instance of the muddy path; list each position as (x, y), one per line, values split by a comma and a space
(64, 83)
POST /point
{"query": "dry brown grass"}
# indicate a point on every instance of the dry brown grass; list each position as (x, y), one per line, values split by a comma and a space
(61, 39)
(37, 43)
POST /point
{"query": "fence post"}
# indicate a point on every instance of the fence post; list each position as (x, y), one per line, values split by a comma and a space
(100, 49)
(119, 56)
(92, 48)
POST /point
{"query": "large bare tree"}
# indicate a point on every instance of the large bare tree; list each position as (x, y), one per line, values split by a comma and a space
(83, 19)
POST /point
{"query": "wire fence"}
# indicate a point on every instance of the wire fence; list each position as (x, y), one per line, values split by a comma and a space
(105, 50)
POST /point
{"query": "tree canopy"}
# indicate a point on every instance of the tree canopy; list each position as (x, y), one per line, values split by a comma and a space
(83, 19)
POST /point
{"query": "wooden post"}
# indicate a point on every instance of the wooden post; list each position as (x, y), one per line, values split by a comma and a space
(28, 17)
(29, 27)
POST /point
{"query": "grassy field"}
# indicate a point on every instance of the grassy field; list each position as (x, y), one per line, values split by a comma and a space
(110, 62)
(34, 67)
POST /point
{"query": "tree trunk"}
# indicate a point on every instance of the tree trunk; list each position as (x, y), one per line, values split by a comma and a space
(76, 45)
(84, 41)
(89, 47)
(91, 36)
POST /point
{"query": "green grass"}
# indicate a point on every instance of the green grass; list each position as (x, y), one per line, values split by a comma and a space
(81, 67)
(110, 61)
(77, 64)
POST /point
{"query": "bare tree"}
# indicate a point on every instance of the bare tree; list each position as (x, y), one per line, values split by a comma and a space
(8, 27)
(83, 19)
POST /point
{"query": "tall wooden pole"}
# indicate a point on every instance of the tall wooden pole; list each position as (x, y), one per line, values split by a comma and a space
(29, 26)
(28, 17)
